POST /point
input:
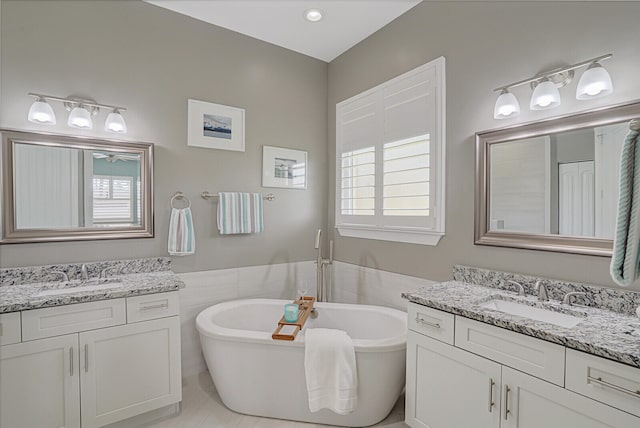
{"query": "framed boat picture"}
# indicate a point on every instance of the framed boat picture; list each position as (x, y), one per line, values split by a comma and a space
(215, 126)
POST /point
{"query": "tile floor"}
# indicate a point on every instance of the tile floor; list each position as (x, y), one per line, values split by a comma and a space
(202, 408)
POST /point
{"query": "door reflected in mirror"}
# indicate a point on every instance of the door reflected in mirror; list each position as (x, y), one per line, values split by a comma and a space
(562, 183)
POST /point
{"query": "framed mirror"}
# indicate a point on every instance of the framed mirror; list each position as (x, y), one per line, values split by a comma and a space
(552, 185)
(66, 188)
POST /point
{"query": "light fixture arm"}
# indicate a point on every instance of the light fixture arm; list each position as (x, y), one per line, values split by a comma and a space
(76, 101)
(549, 73)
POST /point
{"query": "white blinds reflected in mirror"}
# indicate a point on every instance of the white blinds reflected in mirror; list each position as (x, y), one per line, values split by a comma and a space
(560, 184)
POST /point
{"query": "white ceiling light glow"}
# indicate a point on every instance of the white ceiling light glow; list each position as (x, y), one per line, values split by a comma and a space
(313, 15)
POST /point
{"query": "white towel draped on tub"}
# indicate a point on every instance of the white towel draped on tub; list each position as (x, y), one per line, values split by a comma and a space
(182, 240)
(240, 213)
(330, 370)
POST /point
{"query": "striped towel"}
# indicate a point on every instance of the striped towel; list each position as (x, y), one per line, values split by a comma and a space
(625, 263)
(240, 213)
(182, 239)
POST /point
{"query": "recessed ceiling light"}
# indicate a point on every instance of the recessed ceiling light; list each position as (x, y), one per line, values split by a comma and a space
(313, 15)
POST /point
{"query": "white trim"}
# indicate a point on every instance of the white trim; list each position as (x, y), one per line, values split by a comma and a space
(419, 236)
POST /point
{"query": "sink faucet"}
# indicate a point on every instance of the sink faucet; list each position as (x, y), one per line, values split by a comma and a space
(541, 289)
(63, 275)
(519, 286)
(84, 274)
(566, 300)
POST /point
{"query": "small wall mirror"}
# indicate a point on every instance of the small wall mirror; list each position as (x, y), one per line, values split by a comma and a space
(61, 188)
(552, 185)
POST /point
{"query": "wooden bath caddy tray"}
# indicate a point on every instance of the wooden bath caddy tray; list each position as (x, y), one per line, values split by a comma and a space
(305, 305)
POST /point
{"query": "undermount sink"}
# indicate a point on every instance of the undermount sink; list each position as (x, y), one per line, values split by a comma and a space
(531, 312)
(79, 289)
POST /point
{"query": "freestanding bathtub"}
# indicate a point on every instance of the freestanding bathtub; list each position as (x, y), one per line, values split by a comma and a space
(257, 375)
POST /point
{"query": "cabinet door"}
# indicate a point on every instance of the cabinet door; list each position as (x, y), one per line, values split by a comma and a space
(128, 370)
(448, 387)
(39, 384)
(534, 403)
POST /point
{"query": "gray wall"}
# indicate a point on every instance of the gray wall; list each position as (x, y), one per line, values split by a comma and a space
(151, 61)
(486, 44)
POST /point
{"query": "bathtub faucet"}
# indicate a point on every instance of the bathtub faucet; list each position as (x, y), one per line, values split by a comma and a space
(320, 266)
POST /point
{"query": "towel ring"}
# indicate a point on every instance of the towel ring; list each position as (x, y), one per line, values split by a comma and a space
(634, 125)
(181, 196)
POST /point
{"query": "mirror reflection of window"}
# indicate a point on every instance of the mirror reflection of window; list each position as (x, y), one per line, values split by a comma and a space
(560, 184)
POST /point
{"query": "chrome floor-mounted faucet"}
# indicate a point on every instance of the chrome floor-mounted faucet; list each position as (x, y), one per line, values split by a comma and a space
(320, 266)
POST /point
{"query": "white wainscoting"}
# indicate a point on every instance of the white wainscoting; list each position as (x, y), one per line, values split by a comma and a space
(207, 288)
(368, 286)
(348, 284)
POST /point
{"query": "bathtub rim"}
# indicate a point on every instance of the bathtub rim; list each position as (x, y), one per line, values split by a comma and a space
(208, 329)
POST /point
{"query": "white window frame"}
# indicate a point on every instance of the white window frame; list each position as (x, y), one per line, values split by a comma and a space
(373, 227)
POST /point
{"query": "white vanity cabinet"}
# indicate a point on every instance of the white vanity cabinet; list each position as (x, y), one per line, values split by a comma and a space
(488, 378)
(99, 367)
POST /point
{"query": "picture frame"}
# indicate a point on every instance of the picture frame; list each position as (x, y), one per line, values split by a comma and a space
(285, 168)
(215, 126)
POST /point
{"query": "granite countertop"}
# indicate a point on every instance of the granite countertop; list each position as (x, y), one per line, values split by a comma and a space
(20, 297)
(604, 333)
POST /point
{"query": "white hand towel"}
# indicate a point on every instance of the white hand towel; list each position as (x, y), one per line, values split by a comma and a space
(182, 239)
(240, 213)
(330, 370)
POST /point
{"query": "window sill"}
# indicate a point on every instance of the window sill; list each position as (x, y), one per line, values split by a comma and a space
(406, 235)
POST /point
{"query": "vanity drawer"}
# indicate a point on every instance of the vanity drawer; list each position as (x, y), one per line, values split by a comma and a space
(10, 328)
(59, 320)
(612, 383)
(431, 322)
(528, 354)
(152, 306)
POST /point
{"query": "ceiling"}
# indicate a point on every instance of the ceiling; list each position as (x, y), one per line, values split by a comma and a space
(282, 22)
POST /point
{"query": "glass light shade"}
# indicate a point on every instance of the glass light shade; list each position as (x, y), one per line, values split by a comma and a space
(595, 82)
(80, 117)
(115, 123)
(545, 95)
(42, 113)
(507, 105)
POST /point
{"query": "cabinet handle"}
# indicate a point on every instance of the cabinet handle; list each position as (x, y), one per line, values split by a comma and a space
(160, 306)
(491, 403)
(0, 329)
(506, 402)
(599, 381)
(71, 361)
(86, 358)
(423, 321)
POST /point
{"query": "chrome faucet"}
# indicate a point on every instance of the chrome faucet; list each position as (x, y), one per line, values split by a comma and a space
(84, 274)
(63, 275)
(567, 297)
(321, 263)
(541, 289)
(519, 286)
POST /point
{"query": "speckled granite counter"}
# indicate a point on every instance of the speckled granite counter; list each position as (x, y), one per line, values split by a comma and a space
(20, 287)
(608, 334)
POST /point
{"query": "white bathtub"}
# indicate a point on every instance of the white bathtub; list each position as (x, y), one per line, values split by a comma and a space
(257, 375)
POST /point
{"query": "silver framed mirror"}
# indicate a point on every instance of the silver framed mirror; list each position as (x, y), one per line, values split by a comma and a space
(67, 188)
(552, 185)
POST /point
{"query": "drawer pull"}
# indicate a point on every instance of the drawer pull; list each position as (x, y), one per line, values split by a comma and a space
(71, 361)
(506, 402)
(599, 381)
(423, 321)
(86, 358)
(160, 306)
(0, 329)
(491, 403)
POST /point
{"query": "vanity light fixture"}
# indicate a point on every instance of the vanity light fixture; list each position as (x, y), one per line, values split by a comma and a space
(313, 15)
(81, 112)
(41, 112)
(594, 82)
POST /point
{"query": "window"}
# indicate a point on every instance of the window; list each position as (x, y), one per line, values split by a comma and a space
(112, 199)
(390, 159)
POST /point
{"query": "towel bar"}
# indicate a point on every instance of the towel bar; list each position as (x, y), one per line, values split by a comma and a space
(207, 195)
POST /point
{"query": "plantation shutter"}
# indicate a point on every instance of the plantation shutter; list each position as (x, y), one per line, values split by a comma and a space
(112, 199)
